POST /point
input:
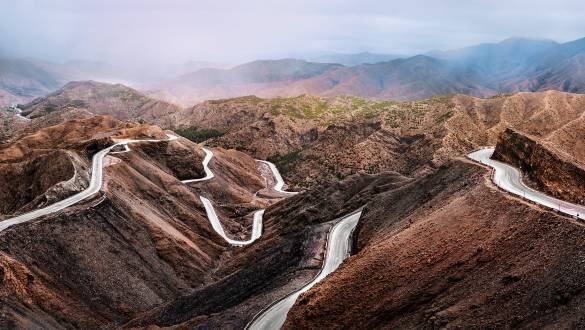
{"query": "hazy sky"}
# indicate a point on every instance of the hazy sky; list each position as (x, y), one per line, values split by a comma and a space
(174, 31)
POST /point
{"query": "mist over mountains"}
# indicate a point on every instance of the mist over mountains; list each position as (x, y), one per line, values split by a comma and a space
(512, 65)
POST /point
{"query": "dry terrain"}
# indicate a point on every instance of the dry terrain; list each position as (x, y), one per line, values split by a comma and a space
(116, 100)
(450, 251)
(437, 244)
(314, 139)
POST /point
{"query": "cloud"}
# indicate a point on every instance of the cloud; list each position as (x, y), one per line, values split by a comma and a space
(175, 31)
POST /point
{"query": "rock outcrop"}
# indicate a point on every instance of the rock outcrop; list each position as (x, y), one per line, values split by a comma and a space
(545, 166)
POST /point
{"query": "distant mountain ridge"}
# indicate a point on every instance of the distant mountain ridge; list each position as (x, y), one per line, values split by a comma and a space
(263, 77)
(24, 79)
(484, 70)
(512, 65)
(356, 59)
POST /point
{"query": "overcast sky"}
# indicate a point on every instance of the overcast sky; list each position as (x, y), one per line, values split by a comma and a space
(175, 31)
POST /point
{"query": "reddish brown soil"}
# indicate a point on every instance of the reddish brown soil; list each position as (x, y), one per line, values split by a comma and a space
(38, 166)
(463, 255)
(440, 249)
(142, 242)
(116, 100)
(288, 255)
(314, 140)
(31, 178)
(13, 128)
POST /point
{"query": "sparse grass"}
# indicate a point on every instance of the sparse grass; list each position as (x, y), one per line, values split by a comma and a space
(442, 118)
(50, 108)
(501, 95)
(357, 102)
(78, 104)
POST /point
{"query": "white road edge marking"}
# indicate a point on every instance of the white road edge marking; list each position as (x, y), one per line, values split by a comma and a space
(510, 179)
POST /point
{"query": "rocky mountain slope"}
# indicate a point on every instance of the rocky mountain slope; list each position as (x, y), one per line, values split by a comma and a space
(15, 126)
(143, 241)
(437, 244)
(54, 162)
(313, 139)
(450, 250)
(444, 249)
(98, 98)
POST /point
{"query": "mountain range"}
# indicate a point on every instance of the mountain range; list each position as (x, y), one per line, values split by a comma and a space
(484, 70)
(355, 59)
(437, 244)
(512, 65)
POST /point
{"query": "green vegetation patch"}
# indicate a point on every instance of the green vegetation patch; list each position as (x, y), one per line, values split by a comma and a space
(285, 163)
(442, 118)
(50, 108)
(78, 104)
(198, 135)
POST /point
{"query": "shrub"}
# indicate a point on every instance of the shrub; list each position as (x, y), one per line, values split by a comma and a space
(78, 104)
(196, 135)
(285, 163)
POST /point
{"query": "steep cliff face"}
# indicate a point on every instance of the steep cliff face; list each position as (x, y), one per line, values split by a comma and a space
(41, 180)
(546, 167)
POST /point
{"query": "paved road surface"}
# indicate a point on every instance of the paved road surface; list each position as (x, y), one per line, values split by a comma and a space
(510, 179)
(208, 174)
(338, 249)
(216, 224)
(95, 185)
(279, 181)
(258, 215)
(19, 113)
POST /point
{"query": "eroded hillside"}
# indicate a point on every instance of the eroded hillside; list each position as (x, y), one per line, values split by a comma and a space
(314, 139)
(450, 250)
(119, 101)
(144, 240)
(437, 244)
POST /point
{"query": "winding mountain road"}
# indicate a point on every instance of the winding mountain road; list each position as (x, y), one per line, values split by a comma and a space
(510, 179)
(208, 174)
(338, 249)
(216, 224)
(279, 181)
(18, 112)
(258, 215)
(95, 185)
